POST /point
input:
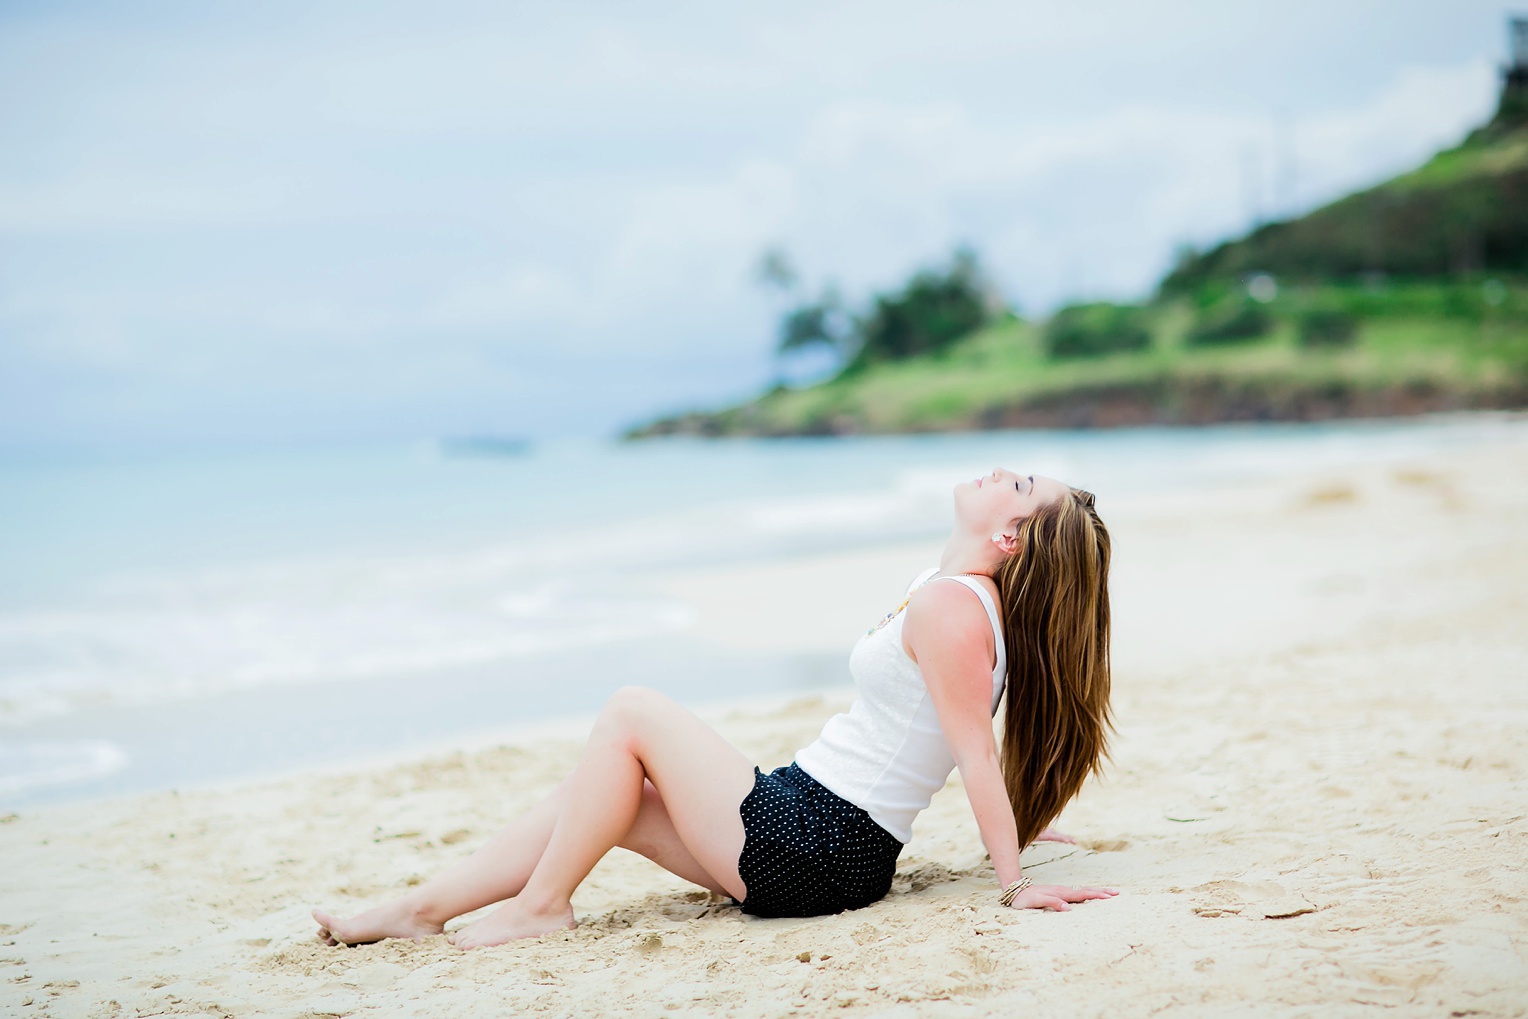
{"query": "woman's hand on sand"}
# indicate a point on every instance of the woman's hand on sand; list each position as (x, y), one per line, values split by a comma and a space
(1052, 835)
(1058, 897)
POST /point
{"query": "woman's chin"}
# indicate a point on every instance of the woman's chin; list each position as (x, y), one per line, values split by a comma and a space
(962, 497)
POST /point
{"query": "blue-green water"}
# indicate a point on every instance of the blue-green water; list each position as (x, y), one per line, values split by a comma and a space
(160, 611)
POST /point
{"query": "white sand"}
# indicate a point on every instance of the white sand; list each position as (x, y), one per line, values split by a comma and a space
(1318, 805)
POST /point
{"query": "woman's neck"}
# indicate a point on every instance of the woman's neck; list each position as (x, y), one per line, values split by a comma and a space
(968, 553)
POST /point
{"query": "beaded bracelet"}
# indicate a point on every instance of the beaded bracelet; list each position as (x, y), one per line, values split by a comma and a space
(1012, 891)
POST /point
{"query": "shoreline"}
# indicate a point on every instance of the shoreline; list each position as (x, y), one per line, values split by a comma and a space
(265, 734)
(236, 730)
(1169, 402)
(1312, 804)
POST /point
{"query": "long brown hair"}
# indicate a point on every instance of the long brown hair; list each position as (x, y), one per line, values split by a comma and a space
(1055, 594)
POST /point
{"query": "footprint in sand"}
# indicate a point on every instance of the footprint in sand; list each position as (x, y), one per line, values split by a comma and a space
(1251, 900)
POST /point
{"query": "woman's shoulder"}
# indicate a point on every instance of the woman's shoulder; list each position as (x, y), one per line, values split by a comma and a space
(950, 602)
(948, 620)
(921, 579)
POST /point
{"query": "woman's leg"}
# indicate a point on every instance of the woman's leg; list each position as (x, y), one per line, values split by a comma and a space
(700, 777)
(500, 869)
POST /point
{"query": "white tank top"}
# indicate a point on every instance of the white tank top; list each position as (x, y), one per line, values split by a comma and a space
(887, 754)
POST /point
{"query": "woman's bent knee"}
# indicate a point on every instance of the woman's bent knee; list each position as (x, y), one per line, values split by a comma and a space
(629, 711)
(632, 701)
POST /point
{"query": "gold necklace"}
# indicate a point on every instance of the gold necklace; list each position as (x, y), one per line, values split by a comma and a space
(890, 615)
(893, 613)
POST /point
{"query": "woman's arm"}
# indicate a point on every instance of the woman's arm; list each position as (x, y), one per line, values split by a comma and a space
(947, 633)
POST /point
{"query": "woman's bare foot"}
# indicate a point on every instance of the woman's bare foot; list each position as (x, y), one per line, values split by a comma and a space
(398, 919)
(510, 922)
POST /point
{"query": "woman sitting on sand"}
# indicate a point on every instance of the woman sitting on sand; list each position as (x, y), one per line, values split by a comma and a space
(823, 834)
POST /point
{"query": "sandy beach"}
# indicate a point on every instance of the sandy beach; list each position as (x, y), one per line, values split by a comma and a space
(1317, 805)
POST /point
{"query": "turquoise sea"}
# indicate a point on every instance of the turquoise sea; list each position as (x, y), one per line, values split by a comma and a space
(178, 617)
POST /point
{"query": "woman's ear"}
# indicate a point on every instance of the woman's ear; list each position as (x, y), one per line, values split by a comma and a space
(1007, 544)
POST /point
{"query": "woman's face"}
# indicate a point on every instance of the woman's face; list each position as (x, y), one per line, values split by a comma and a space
(998, 501)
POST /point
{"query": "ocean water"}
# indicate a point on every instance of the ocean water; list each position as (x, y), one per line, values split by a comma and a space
(168, 618)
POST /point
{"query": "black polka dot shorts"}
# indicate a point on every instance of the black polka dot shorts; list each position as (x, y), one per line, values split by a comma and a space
(808, 851)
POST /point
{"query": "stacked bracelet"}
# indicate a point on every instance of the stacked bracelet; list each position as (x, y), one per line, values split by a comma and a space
(1012, 891)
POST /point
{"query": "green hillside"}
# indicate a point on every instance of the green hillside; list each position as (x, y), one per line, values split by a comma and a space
(1407, 297)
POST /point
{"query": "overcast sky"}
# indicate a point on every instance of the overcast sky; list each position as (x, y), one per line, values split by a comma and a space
(318, 221)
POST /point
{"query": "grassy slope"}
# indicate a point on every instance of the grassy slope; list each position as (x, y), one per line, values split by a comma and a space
(1004, 368)
(1427, 330)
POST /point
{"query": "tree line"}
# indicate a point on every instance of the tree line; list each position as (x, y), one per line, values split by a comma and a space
(934, 309)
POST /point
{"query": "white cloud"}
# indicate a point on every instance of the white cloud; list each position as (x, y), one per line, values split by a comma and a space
(452, 199)
(1099, 203)
(1423, 110)
(522, 294)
